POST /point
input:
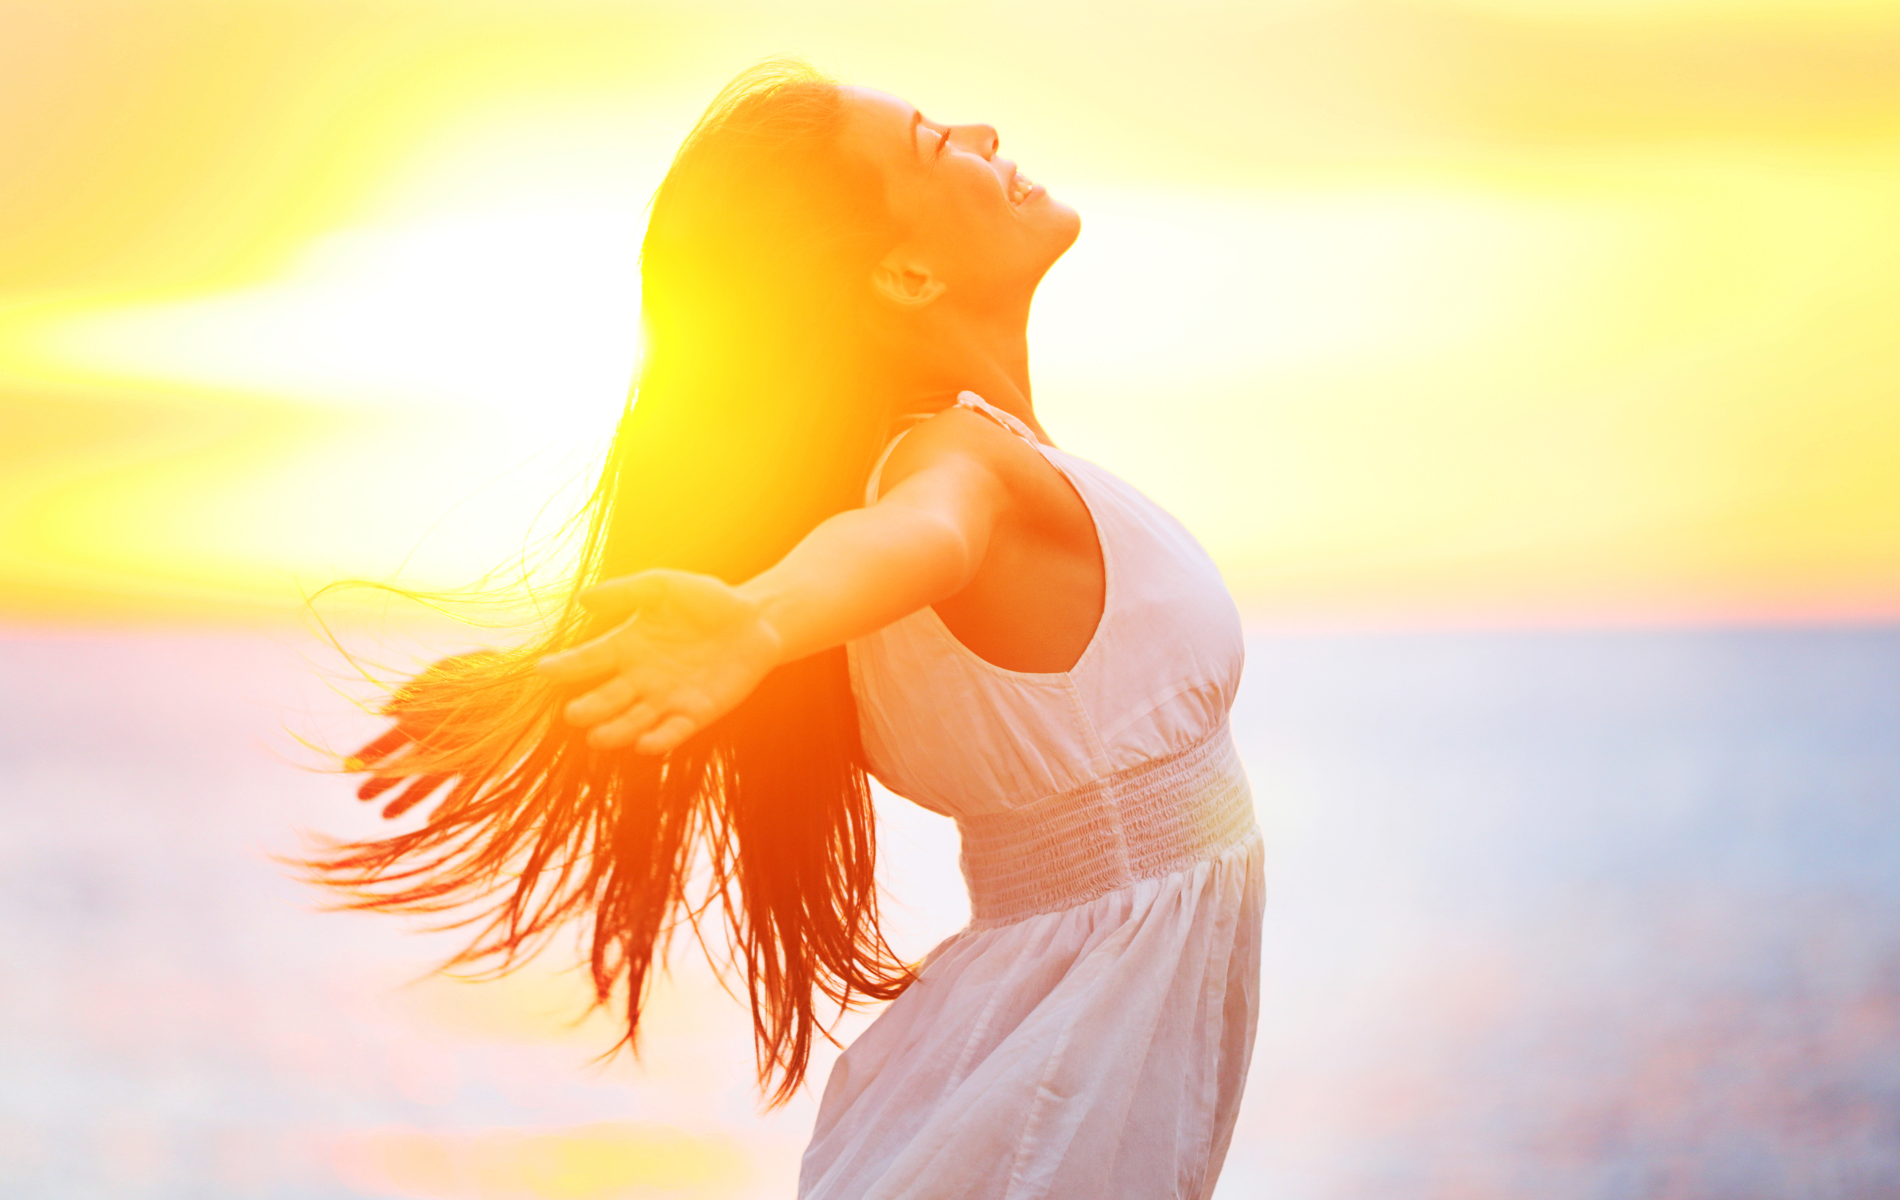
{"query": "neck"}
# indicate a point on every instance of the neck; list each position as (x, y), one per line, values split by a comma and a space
(949, 351)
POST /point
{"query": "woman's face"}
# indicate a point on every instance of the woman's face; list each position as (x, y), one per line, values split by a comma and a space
(977, 225)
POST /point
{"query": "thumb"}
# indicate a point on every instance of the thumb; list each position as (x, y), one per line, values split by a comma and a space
(617, 598)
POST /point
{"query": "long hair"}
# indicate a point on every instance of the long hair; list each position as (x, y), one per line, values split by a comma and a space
(755, 416)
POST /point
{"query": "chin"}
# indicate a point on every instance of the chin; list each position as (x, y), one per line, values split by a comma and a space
(1057, 227)
(1071, 224)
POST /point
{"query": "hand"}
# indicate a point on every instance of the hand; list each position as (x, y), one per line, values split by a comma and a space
(383, 756)
(691, 650)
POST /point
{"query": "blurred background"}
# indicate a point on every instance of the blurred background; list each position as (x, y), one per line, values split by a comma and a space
(1531, 367)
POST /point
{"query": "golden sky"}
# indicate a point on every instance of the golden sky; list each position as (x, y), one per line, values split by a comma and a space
(1415, 310)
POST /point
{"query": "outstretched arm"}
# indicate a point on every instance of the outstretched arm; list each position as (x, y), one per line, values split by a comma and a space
(692, 647)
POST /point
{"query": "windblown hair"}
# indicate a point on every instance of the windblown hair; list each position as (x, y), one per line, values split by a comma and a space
(755, 416)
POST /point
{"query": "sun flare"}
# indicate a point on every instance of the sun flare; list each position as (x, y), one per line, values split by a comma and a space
(1434, 343)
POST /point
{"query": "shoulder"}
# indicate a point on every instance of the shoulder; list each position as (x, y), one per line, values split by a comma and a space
(960, 438)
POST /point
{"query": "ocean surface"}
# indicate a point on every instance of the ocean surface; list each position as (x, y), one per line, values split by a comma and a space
(1555, 916)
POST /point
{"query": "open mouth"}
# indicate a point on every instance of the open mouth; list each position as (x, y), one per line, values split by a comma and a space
(1020, 185)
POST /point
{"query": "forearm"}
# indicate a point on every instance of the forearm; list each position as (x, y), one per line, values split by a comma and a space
(858, 572)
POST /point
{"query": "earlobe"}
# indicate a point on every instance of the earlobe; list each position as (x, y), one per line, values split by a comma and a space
(904, 283)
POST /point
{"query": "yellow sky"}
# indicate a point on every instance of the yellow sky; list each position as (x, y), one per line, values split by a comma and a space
(1440, 309)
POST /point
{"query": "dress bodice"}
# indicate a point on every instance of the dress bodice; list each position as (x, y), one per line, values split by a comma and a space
(955, 733)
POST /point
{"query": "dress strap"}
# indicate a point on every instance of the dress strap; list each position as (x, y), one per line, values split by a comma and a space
(976, 403)
(910, 421)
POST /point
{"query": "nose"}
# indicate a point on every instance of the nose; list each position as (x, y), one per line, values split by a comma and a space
(980, 138)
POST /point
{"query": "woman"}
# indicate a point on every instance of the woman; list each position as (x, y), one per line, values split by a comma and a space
(832, 537)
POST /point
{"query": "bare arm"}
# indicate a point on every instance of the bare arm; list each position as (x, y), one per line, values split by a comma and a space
(863, 569)
(692, 647)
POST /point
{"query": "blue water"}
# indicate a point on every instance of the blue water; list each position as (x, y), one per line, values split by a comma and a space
(1554, 915)
(1590, 915)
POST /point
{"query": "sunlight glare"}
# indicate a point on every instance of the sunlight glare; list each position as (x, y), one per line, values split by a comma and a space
(527, 315)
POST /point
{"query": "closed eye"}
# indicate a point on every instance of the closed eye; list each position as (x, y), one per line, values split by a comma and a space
(943, 141)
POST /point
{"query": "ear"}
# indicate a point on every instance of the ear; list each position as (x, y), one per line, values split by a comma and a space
(901, 280)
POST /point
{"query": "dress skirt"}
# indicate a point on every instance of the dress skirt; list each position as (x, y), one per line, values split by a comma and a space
(1091, 1053)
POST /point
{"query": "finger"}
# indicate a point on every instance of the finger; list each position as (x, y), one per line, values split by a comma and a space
(589, 660)
(376, 750)
(375, 787)
(604, 702)
(413, 795)
(625, 729)
(667, 735)
(618, 598)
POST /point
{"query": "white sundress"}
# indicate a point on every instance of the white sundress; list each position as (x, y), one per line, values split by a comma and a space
(1087, 1035)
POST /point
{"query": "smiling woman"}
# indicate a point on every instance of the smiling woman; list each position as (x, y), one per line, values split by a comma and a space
(832, 539)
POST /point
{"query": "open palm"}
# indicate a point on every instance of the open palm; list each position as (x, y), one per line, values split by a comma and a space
(690, 649)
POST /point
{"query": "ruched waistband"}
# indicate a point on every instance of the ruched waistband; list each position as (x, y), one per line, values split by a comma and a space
(1151, 819)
